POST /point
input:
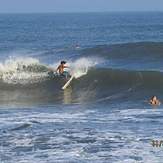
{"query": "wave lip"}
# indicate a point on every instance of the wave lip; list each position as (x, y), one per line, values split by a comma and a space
(126, 50)
(26, 71)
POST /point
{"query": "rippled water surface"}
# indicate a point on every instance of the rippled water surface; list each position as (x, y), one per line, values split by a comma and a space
(104, 115)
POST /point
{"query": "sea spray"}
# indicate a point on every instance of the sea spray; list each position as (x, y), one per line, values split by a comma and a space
(81, 66)
(22, 71)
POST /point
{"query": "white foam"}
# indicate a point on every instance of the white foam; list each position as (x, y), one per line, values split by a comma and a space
(12, 71)
(81, 66)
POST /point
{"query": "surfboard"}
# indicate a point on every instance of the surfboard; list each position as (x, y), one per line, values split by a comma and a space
(68, 83)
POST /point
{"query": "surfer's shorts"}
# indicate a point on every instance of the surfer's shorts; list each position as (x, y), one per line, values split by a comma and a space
(65, 74)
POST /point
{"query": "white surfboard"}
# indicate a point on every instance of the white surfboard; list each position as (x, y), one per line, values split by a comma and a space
(68, 82)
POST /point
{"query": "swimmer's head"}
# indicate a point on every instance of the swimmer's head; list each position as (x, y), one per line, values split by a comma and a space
(154, 98)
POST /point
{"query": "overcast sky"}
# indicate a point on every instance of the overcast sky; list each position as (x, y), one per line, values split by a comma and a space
(10, 6)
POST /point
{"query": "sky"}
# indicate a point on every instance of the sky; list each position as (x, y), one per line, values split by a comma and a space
(32, 6)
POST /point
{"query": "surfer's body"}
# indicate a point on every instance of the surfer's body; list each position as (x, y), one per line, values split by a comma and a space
(61, 71)
(61, 67)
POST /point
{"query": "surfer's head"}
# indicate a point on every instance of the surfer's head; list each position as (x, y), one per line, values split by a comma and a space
(63, 62)
(154, 98)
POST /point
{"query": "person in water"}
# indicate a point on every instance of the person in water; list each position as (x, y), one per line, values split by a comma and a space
(154, 101)
(60, 69)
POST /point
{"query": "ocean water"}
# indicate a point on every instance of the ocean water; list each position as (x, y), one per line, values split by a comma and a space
(104, 115)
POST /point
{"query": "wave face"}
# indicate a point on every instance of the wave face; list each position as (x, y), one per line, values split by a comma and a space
(97, 84)
(110, 78)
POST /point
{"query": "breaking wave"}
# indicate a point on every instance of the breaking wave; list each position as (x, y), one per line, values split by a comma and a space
(27, 79)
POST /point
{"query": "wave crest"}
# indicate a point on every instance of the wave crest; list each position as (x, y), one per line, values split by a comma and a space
(22, 71)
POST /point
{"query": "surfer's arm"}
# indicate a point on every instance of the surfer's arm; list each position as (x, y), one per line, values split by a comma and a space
(57, 69)
(66, 67)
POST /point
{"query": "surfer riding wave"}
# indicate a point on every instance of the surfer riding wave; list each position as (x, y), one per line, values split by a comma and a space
(61, 71)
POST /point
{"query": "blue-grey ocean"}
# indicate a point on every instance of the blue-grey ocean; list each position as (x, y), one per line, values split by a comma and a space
(104, 115)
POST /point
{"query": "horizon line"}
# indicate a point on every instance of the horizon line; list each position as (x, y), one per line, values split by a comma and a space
(82, 12)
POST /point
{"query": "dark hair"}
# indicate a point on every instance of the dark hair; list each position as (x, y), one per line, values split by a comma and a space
(63, 62)
(153, 97)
